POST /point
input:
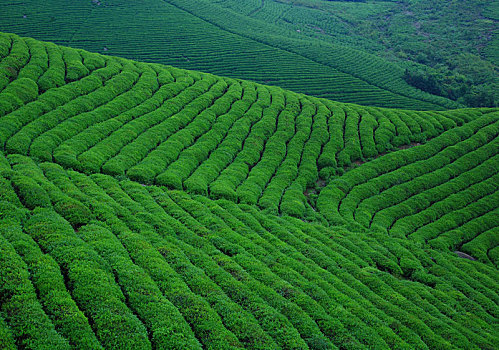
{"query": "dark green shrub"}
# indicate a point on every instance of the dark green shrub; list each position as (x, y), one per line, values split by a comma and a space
(29, 324)
(30, 193)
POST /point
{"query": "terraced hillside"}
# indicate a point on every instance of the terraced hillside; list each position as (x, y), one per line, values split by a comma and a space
(443, 45)
(444, 193)
(148, 207)
(206, 36)
(214, 136)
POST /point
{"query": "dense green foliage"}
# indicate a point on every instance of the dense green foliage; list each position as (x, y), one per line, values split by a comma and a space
(451, 44)
(187, 271)
(219, 137)
(443, 193)
(148, 207)
(206, 35)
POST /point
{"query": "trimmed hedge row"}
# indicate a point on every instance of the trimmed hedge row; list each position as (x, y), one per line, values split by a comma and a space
(180, 129)
(204, 321)
(192, 134)
(483, 246)
(6, 339)
(415, 191)
(443, 168)
(224, 154)
(72, 136)
(274, 152)
(90, 280)
(15, 55)
(54, 126)
(19, 305)
(293, 200)
(104, 263)
(49, 283)
(261, 281)
(248, 335)
(443, 194)
(35, 191)
(22, 126)
(136, 122)
(175, 114)
(166, 326)
(252, 147)
(201, 151)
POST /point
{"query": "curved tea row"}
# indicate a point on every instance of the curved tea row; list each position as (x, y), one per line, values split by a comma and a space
(207, 37)
(148, 207)
(214, 136)
(443, 193)
(99, 263)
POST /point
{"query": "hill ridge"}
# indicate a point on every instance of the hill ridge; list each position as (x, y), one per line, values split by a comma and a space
(292, 71)
(423, 96)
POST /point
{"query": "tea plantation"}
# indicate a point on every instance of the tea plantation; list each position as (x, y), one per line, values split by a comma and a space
(206, 36)
(144, 206)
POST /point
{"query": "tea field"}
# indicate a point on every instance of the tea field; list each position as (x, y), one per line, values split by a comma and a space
(208, 36)
(144, 206)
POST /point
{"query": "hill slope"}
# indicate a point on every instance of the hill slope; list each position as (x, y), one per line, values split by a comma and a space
(448, 49)
(208, 37)
(148, 207)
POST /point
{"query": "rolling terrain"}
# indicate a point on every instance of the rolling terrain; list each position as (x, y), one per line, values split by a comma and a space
(210, 36)
(447, 48)
(144, 206)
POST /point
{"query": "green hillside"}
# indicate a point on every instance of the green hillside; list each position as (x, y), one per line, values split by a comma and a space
(144, 206)
(449, 48)
(205, 35)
